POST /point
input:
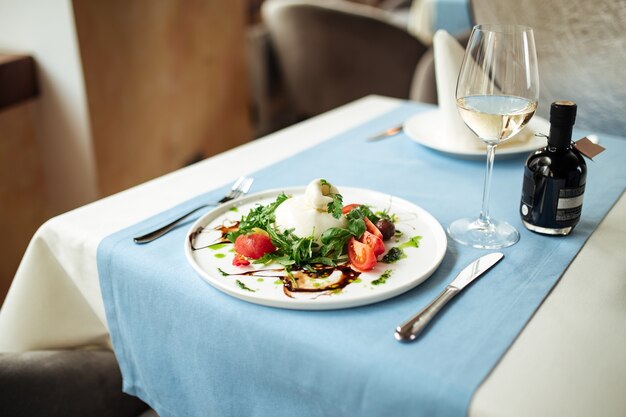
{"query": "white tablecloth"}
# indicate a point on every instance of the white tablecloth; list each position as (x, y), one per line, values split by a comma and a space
(569, 360)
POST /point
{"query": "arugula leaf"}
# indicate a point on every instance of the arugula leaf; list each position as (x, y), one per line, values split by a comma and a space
(260, 216)
(356, 227)
(272, 257)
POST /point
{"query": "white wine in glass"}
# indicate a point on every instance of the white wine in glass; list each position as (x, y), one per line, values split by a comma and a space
(496, 95)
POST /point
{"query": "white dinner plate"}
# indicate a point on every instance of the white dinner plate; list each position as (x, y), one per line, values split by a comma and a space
(428, 129)
(266, 288)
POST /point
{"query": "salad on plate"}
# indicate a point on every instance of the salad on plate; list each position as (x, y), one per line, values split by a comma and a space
(312, 242)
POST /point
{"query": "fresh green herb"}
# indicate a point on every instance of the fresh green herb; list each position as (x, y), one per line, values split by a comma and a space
(243, 286)
(365, 211)
(218, 246)
(393, 218)
(272, 257)
(413, 242)
(221, 271)
(335, 206)
(383, 278)
(334, 239)
(394, 255)
(260, 216)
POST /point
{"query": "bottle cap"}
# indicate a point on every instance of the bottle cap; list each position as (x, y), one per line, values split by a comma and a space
(563, 113)
(562, 118)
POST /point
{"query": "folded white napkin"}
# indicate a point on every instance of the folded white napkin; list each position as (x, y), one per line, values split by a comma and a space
(448, 54)
(455, 134)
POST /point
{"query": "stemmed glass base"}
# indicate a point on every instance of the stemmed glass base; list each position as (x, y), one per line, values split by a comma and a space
(491, 234)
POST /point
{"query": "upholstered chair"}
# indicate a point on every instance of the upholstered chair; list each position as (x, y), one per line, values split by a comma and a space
(333, 52)
(69, 383)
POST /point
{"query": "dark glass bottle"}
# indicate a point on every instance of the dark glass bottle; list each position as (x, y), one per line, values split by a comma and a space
(554, 178)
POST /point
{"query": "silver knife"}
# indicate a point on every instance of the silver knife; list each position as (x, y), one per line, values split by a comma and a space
(409, 330)
(392, 131)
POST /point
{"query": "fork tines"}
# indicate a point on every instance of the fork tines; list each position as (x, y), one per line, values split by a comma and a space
(240, 187)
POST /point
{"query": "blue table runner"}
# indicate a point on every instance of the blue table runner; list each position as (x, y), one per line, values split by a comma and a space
(189, 350)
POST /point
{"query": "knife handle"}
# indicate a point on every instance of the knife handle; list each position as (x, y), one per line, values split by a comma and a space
(408, 331)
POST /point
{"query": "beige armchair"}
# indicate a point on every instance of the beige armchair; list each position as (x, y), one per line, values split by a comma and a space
(332, 52)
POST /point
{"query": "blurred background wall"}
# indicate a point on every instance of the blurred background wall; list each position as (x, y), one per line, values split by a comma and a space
(129, 90)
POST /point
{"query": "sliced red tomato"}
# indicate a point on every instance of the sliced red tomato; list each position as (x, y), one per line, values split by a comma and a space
(373, 242)
(347, 209)
(240, 260)
(371, 227)
(361, 256)
(253, 245)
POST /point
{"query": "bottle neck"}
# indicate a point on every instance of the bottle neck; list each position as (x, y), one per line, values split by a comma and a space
(560, 137)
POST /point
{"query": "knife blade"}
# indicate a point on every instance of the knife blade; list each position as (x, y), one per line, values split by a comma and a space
(409, 330)
(386, 133)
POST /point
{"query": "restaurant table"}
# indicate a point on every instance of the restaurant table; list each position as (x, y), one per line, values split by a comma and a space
(569, 359)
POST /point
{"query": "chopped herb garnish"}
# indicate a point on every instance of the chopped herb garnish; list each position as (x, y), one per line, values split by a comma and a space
(383, 278)
(221, 271)
(335, 206)
(243, 286)
(394, 255)
(413, 242)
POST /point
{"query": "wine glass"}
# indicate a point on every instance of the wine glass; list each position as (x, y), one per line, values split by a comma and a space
(496, 95)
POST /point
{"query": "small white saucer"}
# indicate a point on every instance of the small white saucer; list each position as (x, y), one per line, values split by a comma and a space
(427, 129)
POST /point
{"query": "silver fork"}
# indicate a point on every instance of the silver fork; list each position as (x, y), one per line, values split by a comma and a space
(239, 188)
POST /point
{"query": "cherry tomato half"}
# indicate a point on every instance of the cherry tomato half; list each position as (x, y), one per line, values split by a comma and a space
(253, 245)
(240, 260)
(373, 242)
(347, 209)
(371, 227)
(361, 256)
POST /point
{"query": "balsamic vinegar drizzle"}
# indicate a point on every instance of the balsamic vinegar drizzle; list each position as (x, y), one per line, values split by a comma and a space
(224, 229)
(305, 281)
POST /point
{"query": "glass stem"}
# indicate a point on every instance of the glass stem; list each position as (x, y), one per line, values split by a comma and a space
(484, 219)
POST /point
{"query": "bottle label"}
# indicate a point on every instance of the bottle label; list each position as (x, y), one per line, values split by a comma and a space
(547, 202)
(570, 204)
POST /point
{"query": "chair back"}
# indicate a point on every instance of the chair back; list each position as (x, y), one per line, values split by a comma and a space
(333, 52)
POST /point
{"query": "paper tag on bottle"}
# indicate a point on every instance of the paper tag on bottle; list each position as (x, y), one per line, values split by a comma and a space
(588, 148)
